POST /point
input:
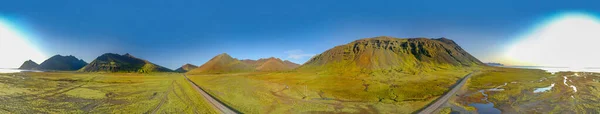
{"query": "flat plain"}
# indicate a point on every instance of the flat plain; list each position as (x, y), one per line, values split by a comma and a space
(322, 92)
(74, 92)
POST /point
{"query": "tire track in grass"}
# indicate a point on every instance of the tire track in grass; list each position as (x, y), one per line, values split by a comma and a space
(187, 99)
(164, 99)
(64, 90)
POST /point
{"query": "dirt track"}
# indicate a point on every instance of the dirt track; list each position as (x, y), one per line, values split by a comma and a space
(214, 102)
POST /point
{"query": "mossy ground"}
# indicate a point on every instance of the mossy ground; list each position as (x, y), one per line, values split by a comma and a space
(518, 95)
(70, 92)
(348, 91)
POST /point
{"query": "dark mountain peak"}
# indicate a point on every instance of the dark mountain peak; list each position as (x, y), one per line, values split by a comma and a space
(109, 54)
(29, 65)
(188, 64)
(128, 55)
(62, 63)
(111, 62)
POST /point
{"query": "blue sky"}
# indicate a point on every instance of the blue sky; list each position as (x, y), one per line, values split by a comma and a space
(174, 32)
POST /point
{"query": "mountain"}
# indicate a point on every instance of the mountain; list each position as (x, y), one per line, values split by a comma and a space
(290, 64)
(274, 64)
(223, 63)
(186, 67)
(29, 65)
(111, 62)
(494, 64)
(393, 54)
(62, 63)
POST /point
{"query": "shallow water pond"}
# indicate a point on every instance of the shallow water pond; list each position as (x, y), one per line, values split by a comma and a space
(543, 89)
(487, 108)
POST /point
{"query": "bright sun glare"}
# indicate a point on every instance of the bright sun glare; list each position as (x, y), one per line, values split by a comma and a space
(14, 47)
(567, 40)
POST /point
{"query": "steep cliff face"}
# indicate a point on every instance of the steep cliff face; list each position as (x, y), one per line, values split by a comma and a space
(382, 53)
(29, 65)
(62, 63)
(111, 62)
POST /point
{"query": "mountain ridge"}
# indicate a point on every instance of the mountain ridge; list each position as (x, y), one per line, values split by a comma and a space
(111, 62)
(389, 53)
(29, 65)
(62, 63)
(185, 68)
(224, 63)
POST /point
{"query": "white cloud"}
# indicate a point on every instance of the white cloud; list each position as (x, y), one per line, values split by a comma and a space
(297, 54)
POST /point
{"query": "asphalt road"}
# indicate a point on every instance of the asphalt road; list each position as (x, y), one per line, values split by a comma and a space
(442, 100)
(224, 109)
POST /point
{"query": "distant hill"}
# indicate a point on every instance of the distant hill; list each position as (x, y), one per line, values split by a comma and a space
(111, 62)
(394, 54)
(494, 64)
(271, 64)
(223, 63)
(291, 64)
(186, 67)
(29, 65)
(62, 63)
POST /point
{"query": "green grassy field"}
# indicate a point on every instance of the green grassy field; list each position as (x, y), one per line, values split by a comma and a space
(71, 92)
(518, 95)
(326, 92)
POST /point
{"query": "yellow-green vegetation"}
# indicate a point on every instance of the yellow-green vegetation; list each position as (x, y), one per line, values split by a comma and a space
(496, 76)
(72, 92)
(446, 110)
(573, 92)
(412, 55)
(110, 62)
(314, 92)
(373, 75)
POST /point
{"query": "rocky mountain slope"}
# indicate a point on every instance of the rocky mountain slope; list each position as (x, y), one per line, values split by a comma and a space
(111, 62)
(222, 63)
(29, 65)
(62, 63)
(186, 67)
(395, 54)
(271, 64)
(276, 64)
